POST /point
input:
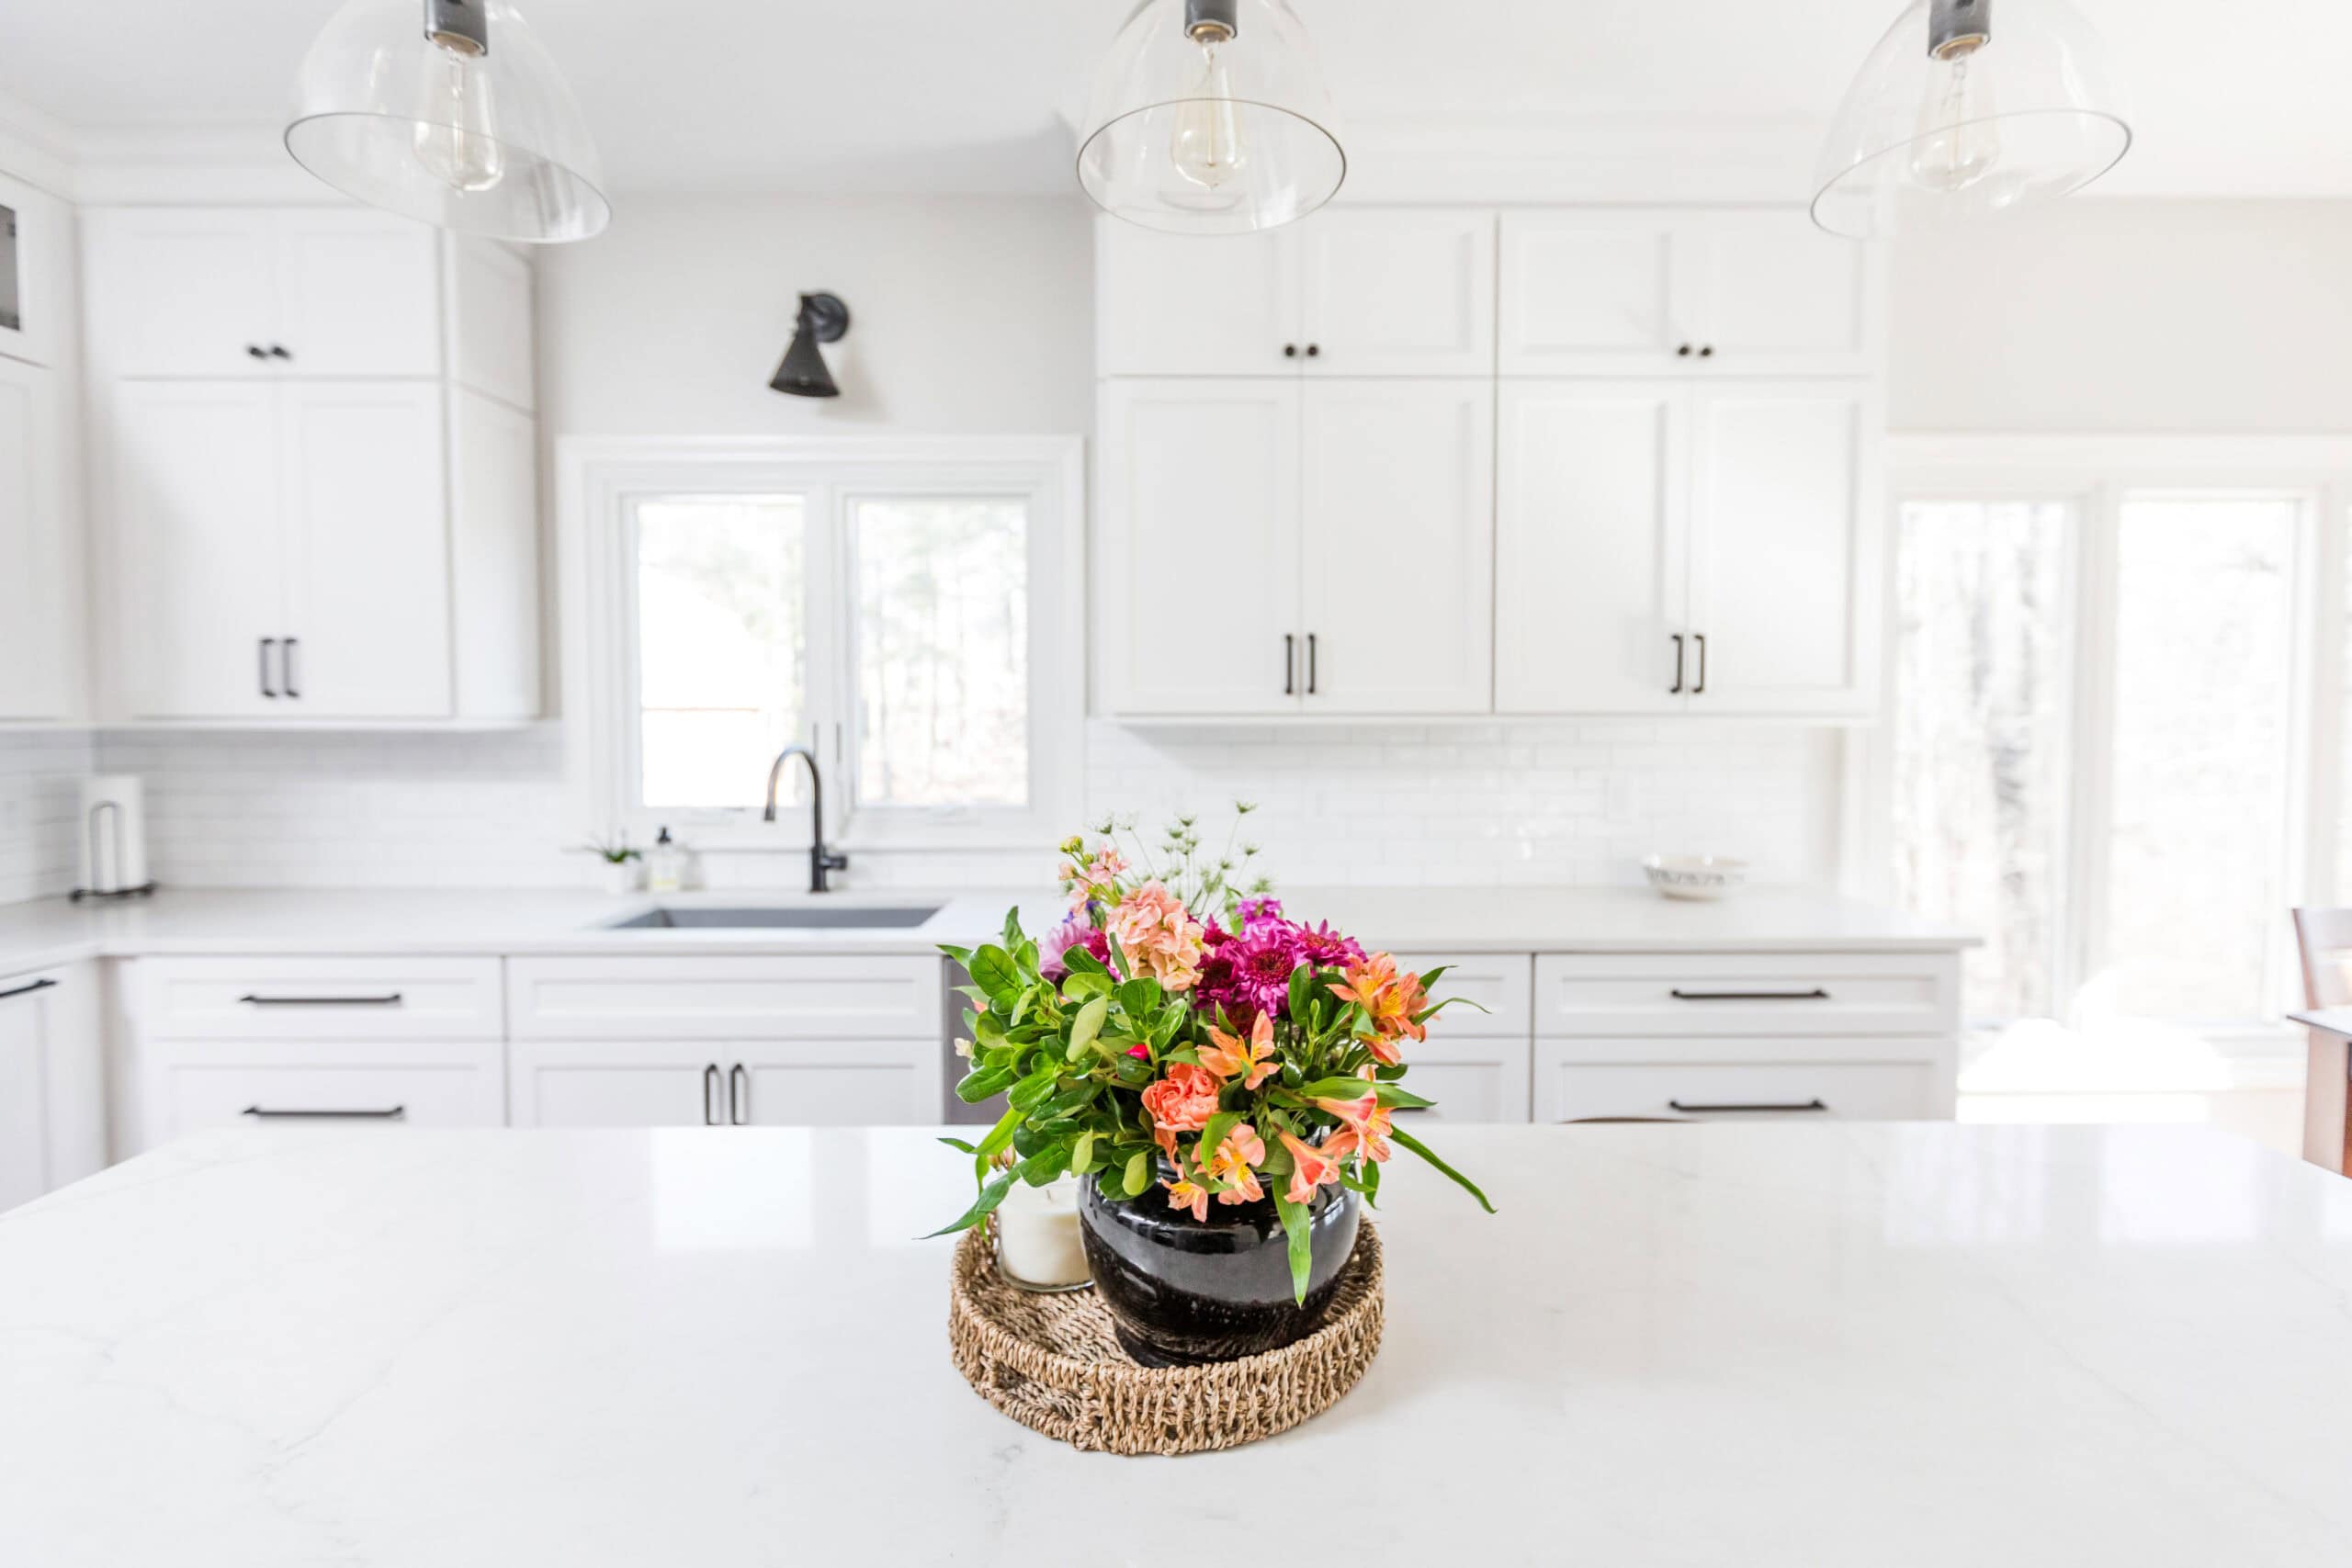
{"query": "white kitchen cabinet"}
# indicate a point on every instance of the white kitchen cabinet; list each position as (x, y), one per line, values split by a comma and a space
(494, 555)
(1785, 547)
(489, 340)
(1471, 1077)
(286, 549)
(188, 1086)
(304, 997)
(777, 996)
(1666, 547)
(366, 539)
(769, 1083)
(1350, 291)
(1185, 304)
(1398, 291)
(53, 1098)
(195, 483)
(1199, 525)
(1396, 508)
(1279, 517)
(1707, 1088)
(39, 667)
(1710, 294)
(1591, 545)
(262, 292)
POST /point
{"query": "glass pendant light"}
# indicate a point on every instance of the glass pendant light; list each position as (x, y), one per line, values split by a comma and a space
(1210, 116)
(449, 111)
(1974, 108)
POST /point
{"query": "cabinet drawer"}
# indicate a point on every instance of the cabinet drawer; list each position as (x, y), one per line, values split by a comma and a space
(318, 1084)
(1497, 982)
(1711, 994)
(316, 998)
(1568, 1091)
(1472, 1079)
(724, 998)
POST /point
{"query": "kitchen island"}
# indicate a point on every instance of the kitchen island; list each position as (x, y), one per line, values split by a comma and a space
(1819, 1344)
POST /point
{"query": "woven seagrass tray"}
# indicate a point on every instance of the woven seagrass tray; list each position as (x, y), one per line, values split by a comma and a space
(1052, 1363)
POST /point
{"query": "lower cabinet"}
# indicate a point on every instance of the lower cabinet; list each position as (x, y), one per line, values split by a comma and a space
(1571, 1088)
(773, 1083)
(53, 1099)
(190, 1085)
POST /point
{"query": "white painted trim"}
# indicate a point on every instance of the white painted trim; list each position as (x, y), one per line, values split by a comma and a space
(597, 476)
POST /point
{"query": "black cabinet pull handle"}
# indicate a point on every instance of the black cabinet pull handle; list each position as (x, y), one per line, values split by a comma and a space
(257, 350)
(710, 1095)
(1721, 1110)
(391, 999)
(739, 1095)
(1814, 995)
(262, 1113)
(278, 351)
(1310, 664)
(1699, 689)
(1290, 665)
(266, 689)
(1290, 351)
(1675, 690)
(42, 985)
(286, 658)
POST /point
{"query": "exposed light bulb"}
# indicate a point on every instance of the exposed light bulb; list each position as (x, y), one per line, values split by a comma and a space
(1207, 148)
(456, 134)
(1957, 144)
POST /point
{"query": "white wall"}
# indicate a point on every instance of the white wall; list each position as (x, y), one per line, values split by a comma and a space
(968, 316)
(2140, 315)
(41, 782)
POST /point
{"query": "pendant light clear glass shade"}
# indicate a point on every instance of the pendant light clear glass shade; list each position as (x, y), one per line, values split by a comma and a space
(1210, 135)
(488, 144)
(2026, 116)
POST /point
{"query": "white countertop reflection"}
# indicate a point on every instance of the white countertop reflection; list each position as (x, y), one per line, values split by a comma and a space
(1827, 1345)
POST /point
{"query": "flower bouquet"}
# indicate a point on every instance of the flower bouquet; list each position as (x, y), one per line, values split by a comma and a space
(1178, 1035)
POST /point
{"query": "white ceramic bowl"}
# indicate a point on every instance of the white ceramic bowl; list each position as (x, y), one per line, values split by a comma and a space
(1695, 877)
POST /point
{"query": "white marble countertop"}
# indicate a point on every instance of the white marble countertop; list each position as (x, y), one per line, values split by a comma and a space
(464, 920)
(1862, 1344)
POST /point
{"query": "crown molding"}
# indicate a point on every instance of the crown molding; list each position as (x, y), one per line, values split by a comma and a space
(35, 148)
(153, 164)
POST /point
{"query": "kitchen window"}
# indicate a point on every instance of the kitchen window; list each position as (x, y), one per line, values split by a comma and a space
(2108, 748)
(905, 610)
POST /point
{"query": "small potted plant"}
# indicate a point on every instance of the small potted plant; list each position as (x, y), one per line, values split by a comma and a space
(620, 862)
(1220, 1077)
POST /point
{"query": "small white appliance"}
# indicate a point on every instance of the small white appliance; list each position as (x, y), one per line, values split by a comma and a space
(114, 839)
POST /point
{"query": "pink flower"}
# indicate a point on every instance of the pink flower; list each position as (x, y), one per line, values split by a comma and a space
(1085, 879)
(1242, 1149)
(1251, 1061)
(1311, 1167)
(1183, 1100)
(1184, 1194)
(1364, 1125)
(1140, 1053)
(1159, 935)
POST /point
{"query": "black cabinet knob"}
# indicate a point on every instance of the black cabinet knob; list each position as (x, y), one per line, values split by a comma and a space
(1314, 350)
(1290, 351)
(1684, 350)
(1708, 352)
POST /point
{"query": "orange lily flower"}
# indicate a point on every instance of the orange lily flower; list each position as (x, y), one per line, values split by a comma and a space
(1243, 1148)
(1312, 1168)
(1364, 1126)
(1185, 1193)
(1252, 1062)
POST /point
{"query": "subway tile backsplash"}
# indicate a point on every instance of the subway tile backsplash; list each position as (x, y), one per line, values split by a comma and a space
(1443, 804)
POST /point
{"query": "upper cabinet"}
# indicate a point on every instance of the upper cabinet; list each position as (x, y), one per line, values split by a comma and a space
(318, 475)
(36, 258)
(1718, 294)
(225, 292)
(1356, 291)
(40, 575)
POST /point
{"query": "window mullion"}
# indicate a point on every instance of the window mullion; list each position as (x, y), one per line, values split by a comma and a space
(2091, 735)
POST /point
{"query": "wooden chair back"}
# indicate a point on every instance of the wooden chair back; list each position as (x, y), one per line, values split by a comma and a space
(2325, 939)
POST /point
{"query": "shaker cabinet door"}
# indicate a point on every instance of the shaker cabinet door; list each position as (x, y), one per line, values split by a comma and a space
(1591, 294)
(1198, 612)
(37, 667)
(1182, 305)
(1398, 291)
(195, 476)
(367, 551)
(1771, 295)
(358, 294)
(180, 291)
(1591, 548)
(1398, 508)
(1784, 548)
(853, 1083)
(616, 1083)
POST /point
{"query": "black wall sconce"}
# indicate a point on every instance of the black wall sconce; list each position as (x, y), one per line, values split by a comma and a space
(823, 318)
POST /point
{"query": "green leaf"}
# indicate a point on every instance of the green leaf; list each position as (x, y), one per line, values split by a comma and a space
(1078, 984)
(1077, 961)
(960, 954)
(1031, 1091)
(1302, 1245)
(1422, 1149)
(1213, 1133)
(1088, 1024)
(1119, 964)
(1139, 997)
(1112, 1184)
(1393, 1097)
(991, 1196)
(959, 1144)
(1012, 927)
(1020, 1008)
(1336, 1089)
(982, 1083)
(1072, 1099)
(1046, 1164)
(1302, 980)
(993, 971)
(1081, 1154)
(1138, 1174)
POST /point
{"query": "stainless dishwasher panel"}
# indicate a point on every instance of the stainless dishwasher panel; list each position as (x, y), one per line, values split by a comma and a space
(953, 1112)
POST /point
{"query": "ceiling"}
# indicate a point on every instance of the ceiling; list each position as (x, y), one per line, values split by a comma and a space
(905, 95)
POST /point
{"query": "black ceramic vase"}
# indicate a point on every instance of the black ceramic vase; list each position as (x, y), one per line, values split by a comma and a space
(1183, 1291)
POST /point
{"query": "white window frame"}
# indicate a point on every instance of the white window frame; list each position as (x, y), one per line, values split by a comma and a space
(600, 481)
(2094, 474)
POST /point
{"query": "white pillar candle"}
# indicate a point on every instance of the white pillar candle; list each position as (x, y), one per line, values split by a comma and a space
(1036, 1235)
